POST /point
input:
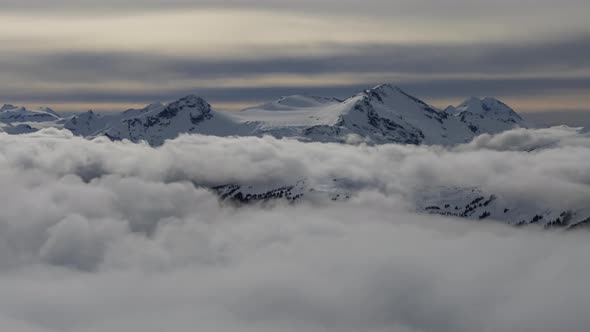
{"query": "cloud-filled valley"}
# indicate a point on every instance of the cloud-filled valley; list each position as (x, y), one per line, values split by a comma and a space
(98, 235)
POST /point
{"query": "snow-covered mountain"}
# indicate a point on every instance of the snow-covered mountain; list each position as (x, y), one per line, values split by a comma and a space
(87, 124)
(468, 203)
(384, 114)
(329, 120)
(487, 116)
(13, 114)
(157, 122)
(16, 120)
(436, 126)
(472, 203)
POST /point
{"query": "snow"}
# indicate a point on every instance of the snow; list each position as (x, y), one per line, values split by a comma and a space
(293, 111)
(294, 102)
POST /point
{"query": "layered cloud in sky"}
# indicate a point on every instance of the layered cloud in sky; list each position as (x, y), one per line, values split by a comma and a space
(99, 235)
(111, 55)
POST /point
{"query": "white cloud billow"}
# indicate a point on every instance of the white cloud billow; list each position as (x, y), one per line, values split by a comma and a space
(102, 236)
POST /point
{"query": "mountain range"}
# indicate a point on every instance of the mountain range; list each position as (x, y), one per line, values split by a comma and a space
(383, 114)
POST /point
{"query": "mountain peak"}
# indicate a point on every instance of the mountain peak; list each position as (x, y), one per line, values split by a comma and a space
(483, 101)
(472, 100)
(386, 86)
(192, 98)
(90, 113)
(189, 103)
(490, 101)
(192, 102)
(383, 91)
(487, 115)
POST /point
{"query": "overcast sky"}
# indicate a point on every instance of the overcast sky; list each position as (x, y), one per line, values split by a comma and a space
(111, 55)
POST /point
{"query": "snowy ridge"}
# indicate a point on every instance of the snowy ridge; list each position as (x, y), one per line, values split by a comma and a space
(474, 204)
(467, 203)
(292, 193)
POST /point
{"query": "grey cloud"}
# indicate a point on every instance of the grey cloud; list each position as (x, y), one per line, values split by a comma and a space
(554, 56)
(457, 9)
(78, 242)
(540, 38)
(574, 118)
(425, 89)
(523, 139)
(138, 247)
(419, 63)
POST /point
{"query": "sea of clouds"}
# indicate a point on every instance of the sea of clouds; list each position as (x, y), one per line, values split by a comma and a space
(115, 236)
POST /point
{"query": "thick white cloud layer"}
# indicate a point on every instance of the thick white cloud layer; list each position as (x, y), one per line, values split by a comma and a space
(101, 236)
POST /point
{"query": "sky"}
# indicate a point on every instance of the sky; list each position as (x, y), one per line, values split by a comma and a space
(115, 236)
(112, 55)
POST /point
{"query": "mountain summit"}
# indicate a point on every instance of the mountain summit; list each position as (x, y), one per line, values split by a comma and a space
(487, 115)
